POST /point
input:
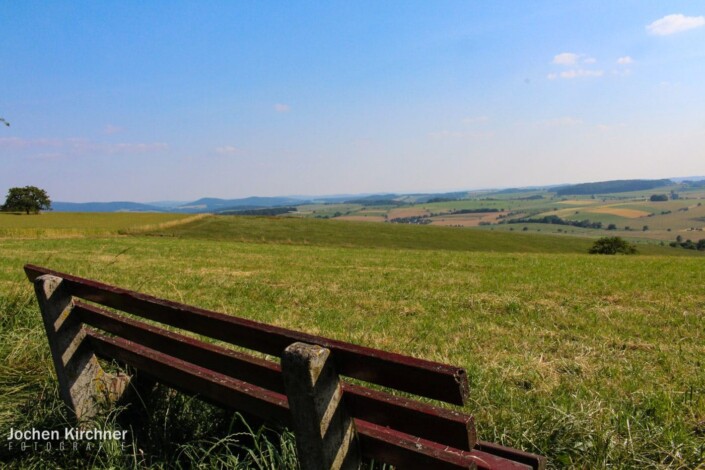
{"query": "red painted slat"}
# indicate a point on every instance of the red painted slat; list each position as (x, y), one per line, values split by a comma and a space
(536, 462)
(409, 452)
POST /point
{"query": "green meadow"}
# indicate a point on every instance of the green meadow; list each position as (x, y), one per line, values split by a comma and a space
(593, 361)
(83, 224)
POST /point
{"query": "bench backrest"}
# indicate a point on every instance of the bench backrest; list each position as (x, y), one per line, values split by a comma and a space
(390, 428)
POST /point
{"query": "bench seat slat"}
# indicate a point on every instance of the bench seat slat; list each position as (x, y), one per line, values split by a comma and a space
(425, 378)
(409, 452)
(441, 425)
(536, 462)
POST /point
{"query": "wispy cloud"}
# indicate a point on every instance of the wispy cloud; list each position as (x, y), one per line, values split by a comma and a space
(610, 127)
(19, 143)
(626, 60)
(227, 150)
(475, 120)
(566, 58)
(576, 73)
(565, 121)
(78, 146)
(571, 58)
(111, 129)
(574, 61)
(282, 108)
(676, 23)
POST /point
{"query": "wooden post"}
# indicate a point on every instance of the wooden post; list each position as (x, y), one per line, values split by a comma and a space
(325, 433)
(82, 381)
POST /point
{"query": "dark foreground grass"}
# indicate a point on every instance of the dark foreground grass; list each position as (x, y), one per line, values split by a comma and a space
(594, 361)
(166, 429)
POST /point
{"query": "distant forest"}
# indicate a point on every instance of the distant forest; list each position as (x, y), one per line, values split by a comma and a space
(605, 187)
(264, 211)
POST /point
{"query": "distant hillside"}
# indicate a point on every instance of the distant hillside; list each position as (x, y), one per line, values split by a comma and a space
(375, 199)
(616, 186)
(215, 205)
(120, 206)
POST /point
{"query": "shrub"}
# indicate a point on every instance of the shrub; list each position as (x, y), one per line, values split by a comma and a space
(612, 246)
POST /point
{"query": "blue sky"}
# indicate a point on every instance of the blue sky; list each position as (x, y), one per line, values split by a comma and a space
(151, 101)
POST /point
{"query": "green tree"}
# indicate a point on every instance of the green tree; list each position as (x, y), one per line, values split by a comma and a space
(612, 246)
(27, 199)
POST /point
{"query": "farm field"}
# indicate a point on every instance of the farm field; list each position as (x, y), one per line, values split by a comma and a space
(594, 361)
(630, 214)
(50, 224)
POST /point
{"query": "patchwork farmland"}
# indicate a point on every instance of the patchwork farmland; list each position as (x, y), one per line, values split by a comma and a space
(631, 215)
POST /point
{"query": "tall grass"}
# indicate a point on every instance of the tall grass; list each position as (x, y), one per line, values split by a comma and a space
(84, 224)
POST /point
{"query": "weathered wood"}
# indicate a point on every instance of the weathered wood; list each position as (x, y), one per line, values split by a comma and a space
(83, 385)
(182, 375)
(376, 442)
(325, 433)
(413, 453)
(426, 378)
(536, 462)
(410, 416)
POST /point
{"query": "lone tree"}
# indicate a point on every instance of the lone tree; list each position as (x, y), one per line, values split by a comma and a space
(27, 199)
(612, 246)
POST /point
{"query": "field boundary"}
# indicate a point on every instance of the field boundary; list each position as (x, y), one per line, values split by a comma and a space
(172, 223)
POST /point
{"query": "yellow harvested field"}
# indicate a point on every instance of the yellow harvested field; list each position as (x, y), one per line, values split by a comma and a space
(620, 212)
(408, 212)
(362, 218)
(578, 202)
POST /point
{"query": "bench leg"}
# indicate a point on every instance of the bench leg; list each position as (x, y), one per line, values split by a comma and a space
(325, 433)
(83, 384)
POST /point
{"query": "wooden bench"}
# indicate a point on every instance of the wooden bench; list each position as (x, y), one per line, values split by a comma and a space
(335, 422)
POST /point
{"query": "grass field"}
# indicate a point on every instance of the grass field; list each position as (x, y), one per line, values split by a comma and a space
(68, 225)
(594, 361)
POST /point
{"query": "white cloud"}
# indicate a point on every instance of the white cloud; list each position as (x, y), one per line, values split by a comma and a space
(576, 73)
(610, 127)
(565, 121)
(112, 129)
(672, 24)
(566, 58)
(626, 60)
(227, 150)
(282, 108)
(475, 120)
(77, 146)
(19, 143)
